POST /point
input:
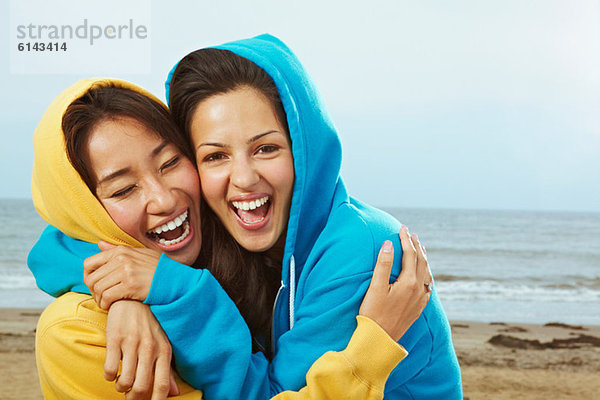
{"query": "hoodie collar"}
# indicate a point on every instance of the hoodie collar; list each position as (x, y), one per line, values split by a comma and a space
(315, 143)
(59, 194)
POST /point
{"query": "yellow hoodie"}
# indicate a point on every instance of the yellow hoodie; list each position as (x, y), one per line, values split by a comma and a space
(71, 333)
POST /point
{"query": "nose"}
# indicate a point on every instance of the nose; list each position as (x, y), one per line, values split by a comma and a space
(243, 173)
(161, 198)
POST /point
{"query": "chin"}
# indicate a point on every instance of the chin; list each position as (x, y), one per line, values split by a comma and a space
(256, 245)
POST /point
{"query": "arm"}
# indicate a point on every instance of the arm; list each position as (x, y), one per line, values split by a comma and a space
(64, 273)
(70, 363)
(359, 370)
(134, 335)
(70, 351)
(57, 264)
(231, 322)
(70, 354)
(349, 374)
(247, 375)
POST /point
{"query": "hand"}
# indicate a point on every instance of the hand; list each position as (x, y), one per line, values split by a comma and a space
(396, 306)
(119, 272)
(134, 335)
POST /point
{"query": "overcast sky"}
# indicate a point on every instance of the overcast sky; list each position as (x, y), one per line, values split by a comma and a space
(463, 104)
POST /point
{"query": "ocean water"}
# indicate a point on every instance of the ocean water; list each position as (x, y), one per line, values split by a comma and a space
(22, 227)
(511, 266)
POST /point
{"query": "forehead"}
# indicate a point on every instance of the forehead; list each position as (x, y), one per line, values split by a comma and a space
(120, 143)
(111, 134)
(244, 111)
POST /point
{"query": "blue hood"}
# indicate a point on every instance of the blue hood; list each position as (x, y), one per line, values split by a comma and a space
(315, 143)
(331, 247)
(333, 238)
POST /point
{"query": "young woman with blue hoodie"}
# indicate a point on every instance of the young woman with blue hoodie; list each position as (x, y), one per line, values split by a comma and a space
(110, 165)
(324, 274)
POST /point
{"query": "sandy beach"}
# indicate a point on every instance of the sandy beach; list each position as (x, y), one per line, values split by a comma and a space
(498, 360)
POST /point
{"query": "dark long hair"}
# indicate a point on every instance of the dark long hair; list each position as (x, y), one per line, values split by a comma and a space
(252, 284)
(106, 101)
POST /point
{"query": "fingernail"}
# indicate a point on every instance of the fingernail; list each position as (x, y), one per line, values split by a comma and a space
(416, 236)
(387, 246)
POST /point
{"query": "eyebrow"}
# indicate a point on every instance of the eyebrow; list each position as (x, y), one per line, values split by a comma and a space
(124, 171)
(249, 141)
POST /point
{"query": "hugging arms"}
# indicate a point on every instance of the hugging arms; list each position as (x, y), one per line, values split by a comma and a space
(322, 240)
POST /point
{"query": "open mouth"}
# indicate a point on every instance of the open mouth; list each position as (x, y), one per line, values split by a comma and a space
(172, 232)
(253, 211)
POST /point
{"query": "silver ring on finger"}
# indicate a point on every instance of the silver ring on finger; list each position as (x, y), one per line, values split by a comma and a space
(429, 287)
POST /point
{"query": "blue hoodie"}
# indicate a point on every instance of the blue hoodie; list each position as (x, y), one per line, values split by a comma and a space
(331, 247)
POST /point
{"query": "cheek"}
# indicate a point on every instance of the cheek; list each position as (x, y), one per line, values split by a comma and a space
(283, 177)
(187, 178)
(125, 218)
(214, 185)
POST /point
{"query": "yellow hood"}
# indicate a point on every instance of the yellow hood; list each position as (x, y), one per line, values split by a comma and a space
(59, 194)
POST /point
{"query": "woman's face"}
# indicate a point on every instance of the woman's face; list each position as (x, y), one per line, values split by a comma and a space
(148, 187)
(246, 168)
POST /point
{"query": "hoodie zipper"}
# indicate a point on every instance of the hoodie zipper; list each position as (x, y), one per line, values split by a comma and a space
(291, 300)
(273, 317)
(292, 290)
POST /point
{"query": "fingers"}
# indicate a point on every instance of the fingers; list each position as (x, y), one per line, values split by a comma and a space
(383, 267)
(94, 262)
(113, 357)
(128, 370)
(143, 374)
(423, 272)
(110, 252)
(409, 255)
(95, 269)
(174, 389)
(100, 284)
(162, 379)
(105, 245)
(421, 267)
(106, 298)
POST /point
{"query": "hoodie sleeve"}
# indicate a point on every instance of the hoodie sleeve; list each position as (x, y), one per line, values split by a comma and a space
(327, 299)
(56, 262)
(211, 343)
(357, 372)
(215, 355)
(217, 358)
(70, 350)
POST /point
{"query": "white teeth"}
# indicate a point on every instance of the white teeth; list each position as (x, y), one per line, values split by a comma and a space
(186, 231)
(250, 205)
(169, 226)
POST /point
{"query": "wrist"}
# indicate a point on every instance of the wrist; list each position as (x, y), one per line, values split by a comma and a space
(373, 353)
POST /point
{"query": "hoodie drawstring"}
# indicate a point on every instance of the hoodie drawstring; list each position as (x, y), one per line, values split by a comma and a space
(292, 289)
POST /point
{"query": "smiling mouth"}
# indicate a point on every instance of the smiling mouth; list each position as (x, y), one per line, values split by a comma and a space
(252, 212)
(172, 232)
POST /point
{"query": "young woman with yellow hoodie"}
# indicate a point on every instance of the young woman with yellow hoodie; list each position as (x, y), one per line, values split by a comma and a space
(72, 190)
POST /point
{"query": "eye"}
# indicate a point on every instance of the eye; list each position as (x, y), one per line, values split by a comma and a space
(171, 163)
(214, 157)
(267, 148)
(123, 192)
